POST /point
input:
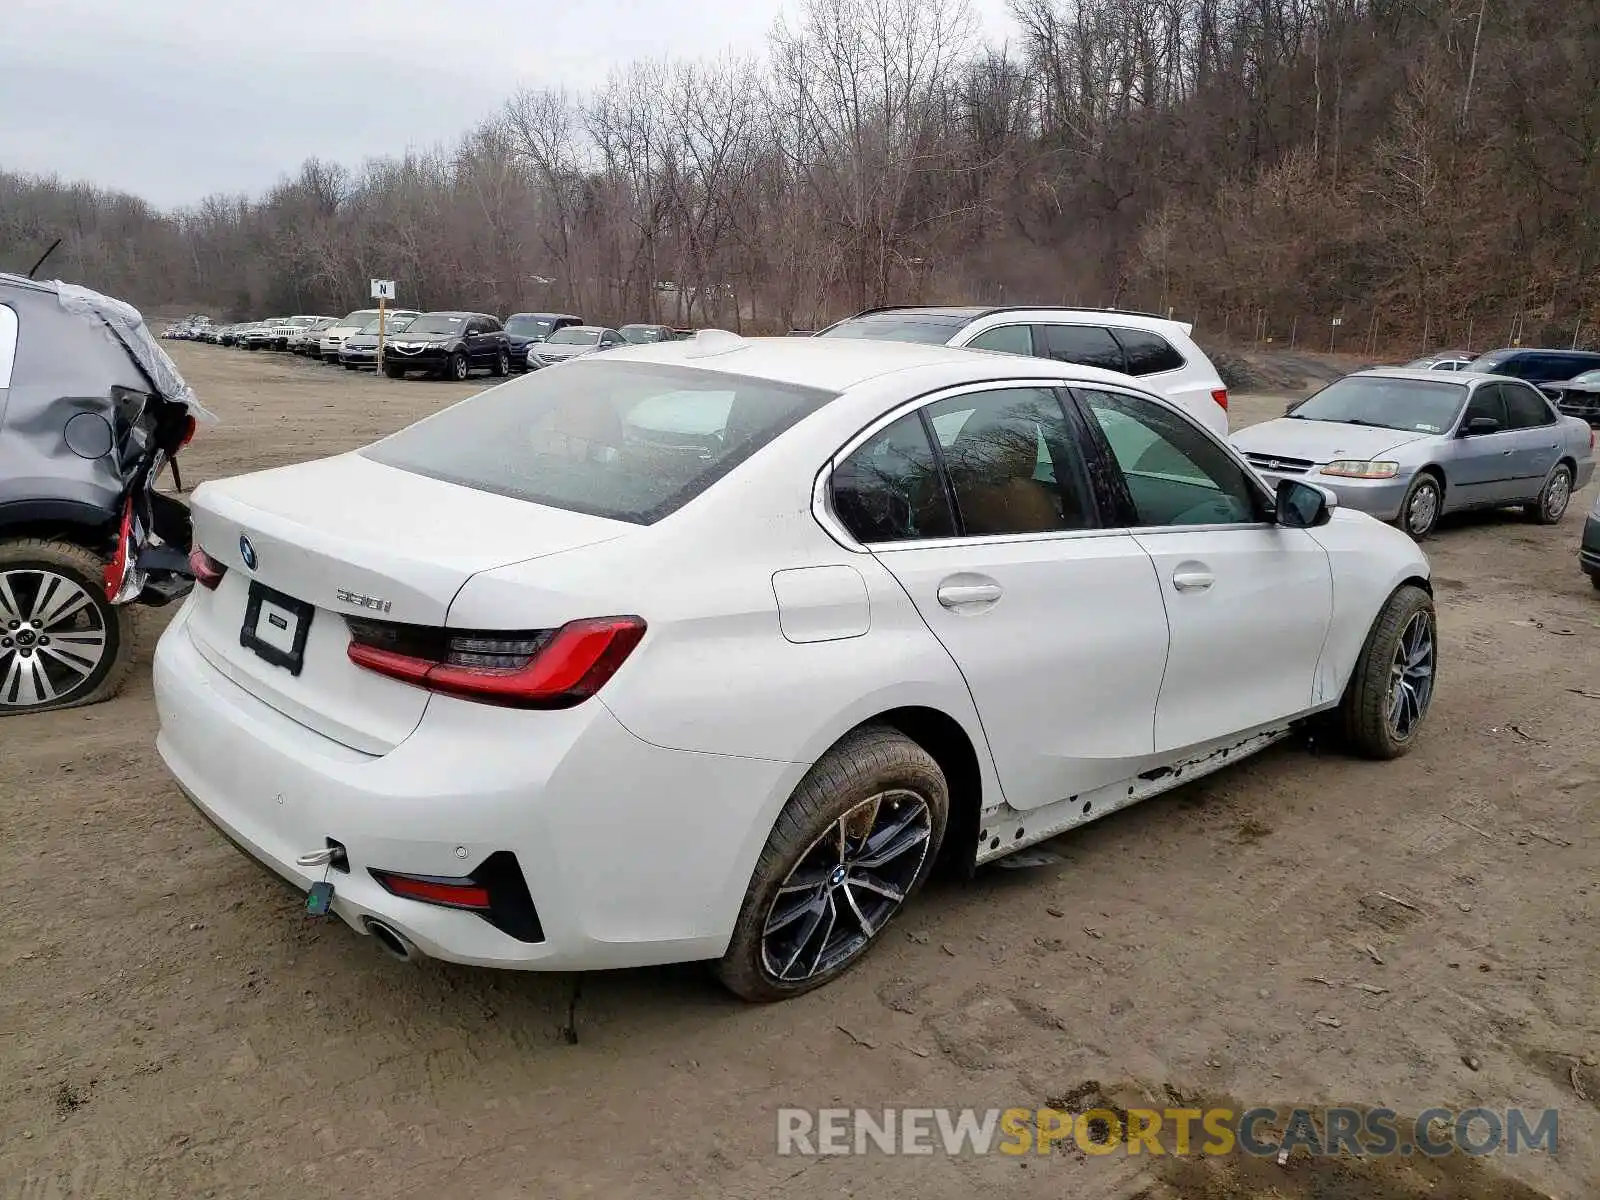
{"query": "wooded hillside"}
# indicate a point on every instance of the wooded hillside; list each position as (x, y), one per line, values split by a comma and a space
(1414, 167)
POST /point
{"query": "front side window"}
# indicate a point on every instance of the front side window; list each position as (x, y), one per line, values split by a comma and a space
(1486, 401)
(889, 490)
(1005, 339)
(1148, 353)
(1085, 345)
(1012, 463)
(1525, 408)
(1174, 473)
(628, 441)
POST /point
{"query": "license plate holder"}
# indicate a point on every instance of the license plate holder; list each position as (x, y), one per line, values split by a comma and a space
(276, 627)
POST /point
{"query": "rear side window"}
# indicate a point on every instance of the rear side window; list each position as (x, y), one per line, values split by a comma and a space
(1525, 407)
(628, 441)
(1085, 345)
(1148, 353)
(1012, 463)
(889, 490)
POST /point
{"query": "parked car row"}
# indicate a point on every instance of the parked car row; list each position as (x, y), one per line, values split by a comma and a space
(1570, 378)
(443, 344)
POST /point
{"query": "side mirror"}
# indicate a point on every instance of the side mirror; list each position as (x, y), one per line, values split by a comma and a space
(1481, 425)
(1303, 505)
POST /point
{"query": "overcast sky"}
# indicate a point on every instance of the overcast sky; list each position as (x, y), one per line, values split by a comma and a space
(176, 99)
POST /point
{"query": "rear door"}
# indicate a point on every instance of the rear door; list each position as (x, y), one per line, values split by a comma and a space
(980, 505)
(1535, 437)
(1248, 602)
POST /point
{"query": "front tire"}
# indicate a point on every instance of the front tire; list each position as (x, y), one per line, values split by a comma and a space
(62, 642)
(1419, 512)
(394, 372)
(459, 367)
(1392, 687)
(1554, 498)
(855, 841)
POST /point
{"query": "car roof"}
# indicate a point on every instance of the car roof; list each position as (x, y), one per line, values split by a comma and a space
(556, 315)
(838, 364)
(450, 312)
(587, 329)
(1507, 350)
(1423, 374)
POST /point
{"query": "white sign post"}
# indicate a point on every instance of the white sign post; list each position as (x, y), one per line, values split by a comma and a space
(382, 290)
(1333, 332)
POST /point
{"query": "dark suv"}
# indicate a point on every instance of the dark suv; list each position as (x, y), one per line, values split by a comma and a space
(449, 345)
(91, 411)
(1542, 368)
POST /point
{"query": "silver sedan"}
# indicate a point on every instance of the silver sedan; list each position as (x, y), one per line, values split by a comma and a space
(1408, 446)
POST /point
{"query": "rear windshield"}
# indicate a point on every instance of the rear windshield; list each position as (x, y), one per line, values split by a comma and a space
(928, 329)
(629, 441)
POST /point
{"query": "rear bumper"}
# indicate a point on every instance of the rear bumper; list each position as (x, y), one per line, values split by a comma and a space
(632, 854)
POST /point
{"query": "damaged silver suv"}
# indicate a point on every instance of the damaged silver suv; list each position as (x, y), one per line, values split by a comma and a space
(92, 410)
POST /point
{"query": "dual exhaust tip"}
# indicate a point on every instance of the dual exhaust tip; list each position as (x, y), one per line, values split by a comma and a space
(391, 941)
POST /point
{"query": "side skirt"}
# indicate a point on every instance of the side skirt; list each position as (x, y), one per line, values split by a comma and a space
(1005, 829)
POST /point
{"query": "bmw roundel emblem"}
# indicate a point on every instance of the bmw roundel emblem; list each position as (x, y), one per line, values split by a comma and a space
(247, 552)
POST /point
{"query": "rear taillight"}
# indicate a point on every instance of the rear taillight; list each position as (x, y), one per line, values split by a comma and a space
(189, 426)
(1221, 397)
(553, 668)
(207, 571)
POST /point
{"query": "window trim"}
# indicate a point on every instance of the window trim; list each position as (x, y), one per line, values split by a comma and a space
(834, 527)
(1122, 503)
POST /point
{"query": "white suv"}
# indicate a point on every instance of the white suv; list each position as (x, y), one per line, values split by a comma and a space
(1159, 352)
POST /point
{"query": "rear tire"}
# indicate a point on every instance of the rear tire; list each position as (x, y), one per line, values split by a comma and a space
(27, 567)
(1554, 498)
(1392, 687)
(815, 907)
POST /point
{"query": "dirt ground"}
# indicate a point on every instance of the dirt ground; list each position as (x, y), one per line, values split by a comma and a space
(171, 1026)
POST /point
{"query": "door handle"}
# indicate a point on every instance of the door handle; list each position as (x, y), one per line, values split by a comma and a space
(954, 595)
(1192, 581)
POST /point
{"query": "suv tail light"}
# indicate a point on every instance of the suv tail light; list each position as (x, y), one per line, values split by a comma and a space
(1221, 397)
(548, 668)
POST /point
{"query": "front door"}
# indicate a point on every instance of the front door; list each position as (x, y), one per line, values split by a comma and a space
(1055, 622)
(1248, 602)
(1484, 471)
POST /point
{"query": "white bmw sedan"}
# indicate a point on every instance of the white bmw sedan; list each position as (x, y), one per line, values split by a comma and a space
(714, 649)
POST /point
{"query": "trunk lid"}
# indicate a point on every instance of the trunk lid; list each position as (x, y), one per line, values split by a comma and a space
(349, 537)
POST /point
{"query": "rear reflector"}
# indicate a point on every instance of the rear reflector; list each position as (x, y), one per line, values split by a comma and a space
(1221, 397)
(432, 889)
(541, 669)
(206, 570)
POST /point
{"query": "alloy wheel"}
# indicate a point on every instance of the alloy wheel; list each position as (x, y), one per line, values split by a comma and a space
(1411, 676)
(1423, 510)
(53, 637)
(846, 886)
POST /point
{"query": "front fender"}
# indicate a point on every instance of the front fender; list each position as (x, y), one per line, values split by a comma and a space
(1369, 561)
